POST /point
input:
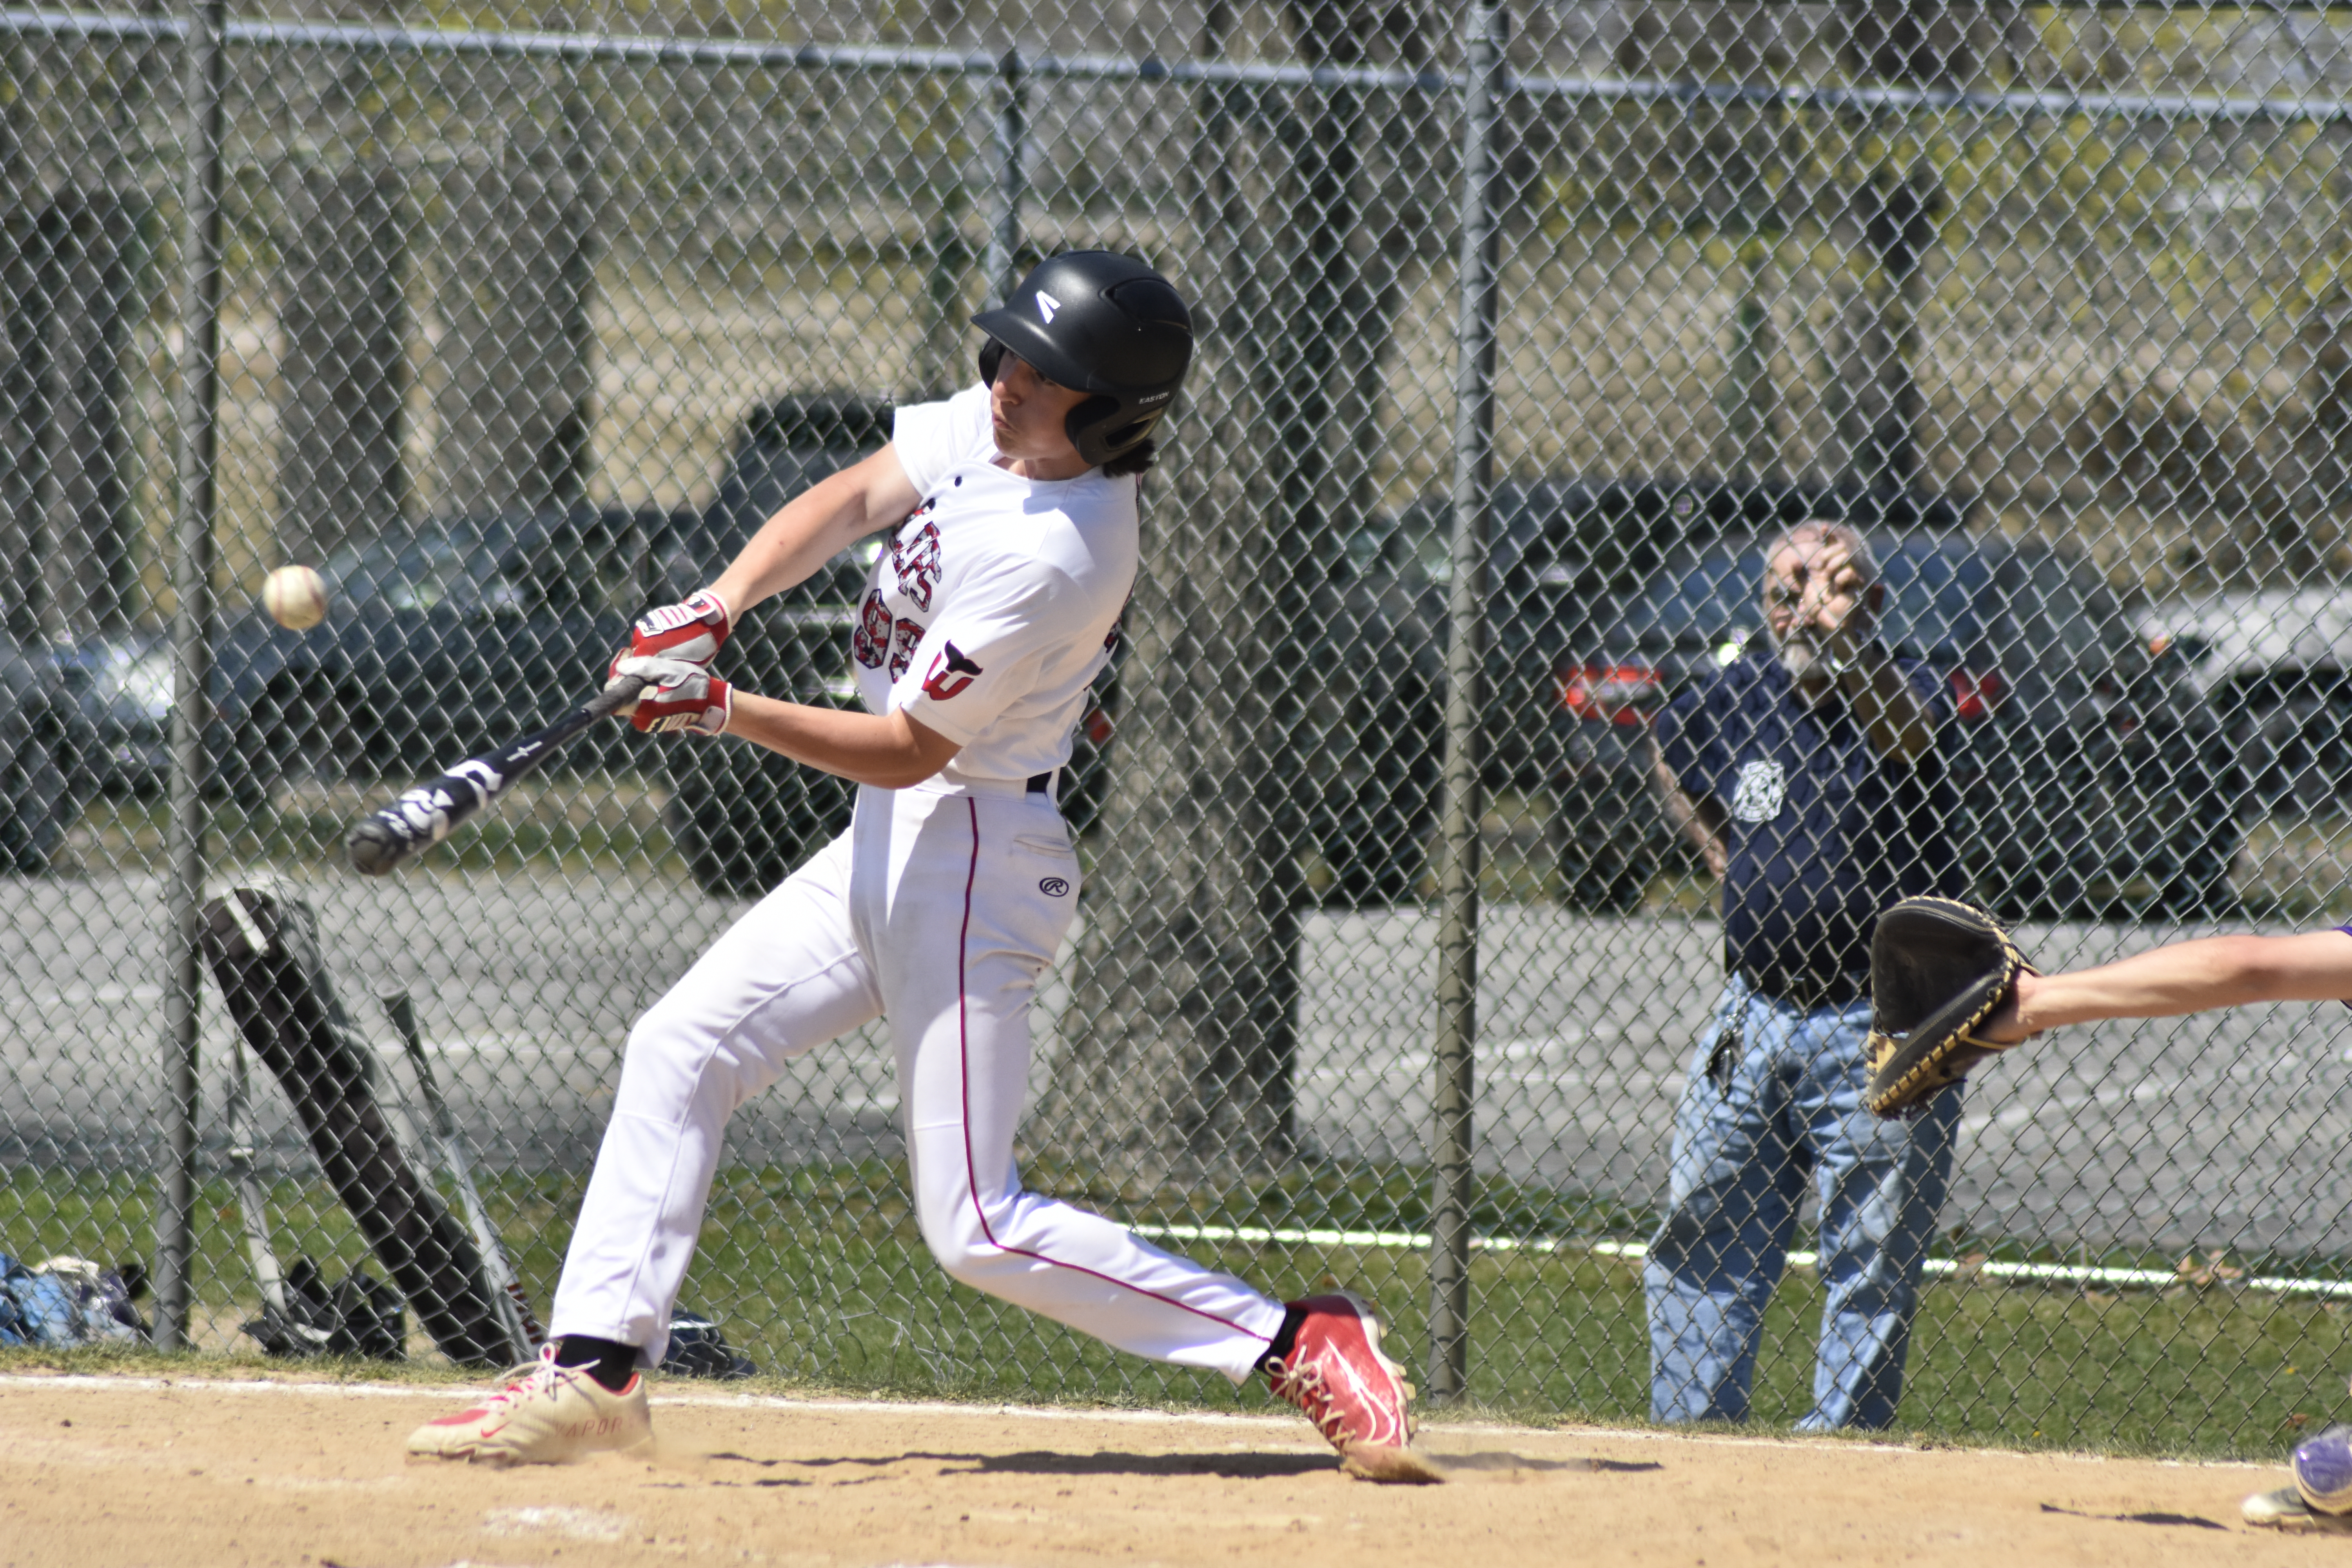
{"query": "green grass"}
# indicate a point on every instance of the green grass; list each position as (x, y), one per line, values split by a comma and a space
(568, 822)
(818, 1273)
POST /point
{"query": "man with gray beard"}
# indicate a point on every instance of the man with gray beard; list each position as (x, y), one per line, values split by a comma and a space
(1806, 772)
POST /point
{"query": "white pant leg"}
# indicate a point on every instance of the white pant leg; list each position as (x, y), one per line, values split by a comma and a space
(783, 980)
(955, 897)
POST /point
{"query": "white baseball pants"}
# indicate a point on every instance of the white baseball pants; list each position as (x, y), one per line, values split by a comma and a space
(938, 910)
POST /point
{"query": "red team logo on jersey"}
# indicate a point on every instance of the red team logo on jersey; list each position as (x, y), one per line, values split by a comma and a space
(950, 673)
(869, 641)
(916, 559)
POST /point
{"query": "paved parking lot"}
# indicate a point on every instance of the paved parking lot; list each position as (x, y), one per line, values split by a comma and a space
(2226, 1130)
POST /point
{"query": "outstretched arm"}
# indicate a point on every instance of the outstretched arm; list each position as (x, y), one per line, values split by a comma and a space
(2184, 977)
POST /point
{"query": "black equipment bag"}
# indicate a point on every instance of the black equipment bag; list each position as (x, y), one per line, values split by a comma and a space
(265, 953)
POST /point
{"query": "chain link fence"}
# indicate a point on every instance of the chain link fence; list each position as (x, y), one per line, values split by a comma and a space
(1519, 335)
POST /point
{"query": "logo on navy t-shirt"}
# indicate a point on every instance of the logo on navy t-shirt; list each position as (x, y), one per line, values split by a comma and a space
(1762, 789)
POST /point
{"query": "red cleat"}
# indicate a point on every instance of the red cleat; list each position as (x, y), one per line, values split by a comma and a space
(1356, 1396)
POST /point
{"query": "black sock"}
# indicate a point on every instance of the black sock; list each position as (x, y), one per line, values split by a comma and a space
(1285, 1340)
(609, 1361)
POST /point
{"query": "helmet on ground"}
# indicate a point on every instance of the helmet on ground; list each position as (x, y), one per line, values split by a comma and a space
(1102, 323)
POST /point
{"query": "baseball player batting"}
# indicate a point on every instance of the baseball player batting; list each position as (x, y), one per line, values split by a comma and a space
(1010, 509)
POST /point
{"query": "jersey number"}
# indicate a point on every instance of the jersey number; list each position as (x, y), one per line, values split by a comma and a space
(869, 640)
(902, 650)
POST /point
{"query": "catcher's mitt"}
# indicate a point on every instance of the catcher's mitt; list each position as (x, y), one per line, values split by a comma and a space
(1938, 969)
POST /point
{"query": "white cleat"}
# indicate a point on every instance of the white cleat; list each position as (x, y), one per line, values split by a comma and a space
(545, 1414)
(2285, 1510)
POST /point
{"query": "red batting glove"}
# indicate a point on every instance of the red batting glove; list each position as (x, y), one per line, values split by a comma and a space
(692, 630)
(683, 698)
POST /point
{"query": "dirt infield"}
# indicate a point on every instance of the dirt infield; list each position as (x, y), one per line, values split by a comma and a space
(120, 1470)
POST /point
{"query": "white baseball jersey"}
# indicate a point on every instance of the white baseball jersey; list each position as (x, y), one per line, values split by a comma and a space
(995, 603)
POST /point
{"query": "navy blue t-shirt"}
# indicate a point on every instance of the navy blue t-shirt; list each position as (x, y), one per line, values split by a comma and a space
(1824, 832)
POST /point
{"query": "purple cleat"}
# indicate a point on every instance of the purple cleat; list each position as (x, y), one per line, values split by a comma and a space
(2323, 1470)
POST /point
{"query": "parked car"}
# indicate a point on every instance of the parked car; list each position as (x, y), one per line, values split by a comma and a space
(469, 631)
(1375, 738)
(2276, 665)
(1563, 554)
(2092, 772)
(745, 818)
(435, 645)
(2092, 776)
(120, 689)
(41, 737)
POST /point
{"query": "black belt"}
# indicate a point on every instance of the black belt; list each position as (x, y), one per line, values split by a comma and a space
(1043, 783)
(1807, 993)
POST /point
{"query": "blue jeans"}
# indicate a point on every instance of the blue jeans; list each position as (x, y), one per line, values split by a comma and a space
(1791, 1109)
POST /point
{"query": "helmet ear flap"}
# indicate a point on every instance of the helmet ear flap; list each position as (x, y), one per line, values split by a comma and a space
(992, 355)
(1086, 426)
(1106, 428)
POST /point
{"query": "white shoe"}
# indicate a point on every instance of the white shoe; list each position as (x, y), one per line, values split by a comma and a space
(2285, 1510)
(545, 1414)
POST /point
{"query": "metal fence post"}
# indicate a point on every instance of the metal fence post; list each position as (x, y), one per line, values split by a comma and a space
(1005, 222)
(200, 256)
(1485, 32)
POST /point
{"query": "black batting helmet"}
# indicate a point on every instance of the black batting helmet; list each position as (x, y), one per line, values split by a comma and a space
(1099, 322)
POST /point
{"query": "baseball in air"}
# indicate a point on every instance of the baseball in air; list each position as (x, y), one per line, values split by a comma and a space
(296, 597)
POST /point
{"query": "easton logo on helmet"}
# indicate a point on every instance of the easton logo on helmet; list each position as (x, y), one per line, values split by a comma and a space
(1046, 306)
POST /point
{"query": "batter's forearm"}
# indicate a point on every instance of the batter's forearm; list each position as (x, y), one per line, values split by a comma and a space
(2189, 977)
(889, 751)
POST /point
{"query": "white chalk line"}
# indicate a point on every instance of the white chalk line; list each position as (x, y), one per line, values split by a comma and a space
(316, 1390)
(1633, 1251)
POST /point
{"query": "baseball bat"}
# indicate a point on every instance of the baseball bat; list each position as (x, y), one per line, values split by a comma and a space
(268, 1278)
(523, 1333)
(423, 817)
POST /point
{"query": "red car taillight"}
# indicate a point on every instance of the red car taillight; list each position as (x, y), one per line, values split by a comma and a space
(1975, 694)
(1612, 693)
